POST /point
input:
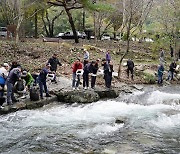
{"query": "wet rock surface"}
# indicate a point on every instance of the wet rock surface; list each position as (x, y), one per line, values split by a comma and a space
(77, 96)
(63, 93)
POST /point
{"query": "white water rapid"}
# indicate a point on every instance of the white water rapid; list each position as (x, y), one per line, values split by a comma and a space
(152, 125)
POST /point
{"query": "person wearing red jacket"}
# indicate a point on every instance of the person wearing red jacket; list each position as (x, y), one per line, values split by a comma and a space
(77, 72)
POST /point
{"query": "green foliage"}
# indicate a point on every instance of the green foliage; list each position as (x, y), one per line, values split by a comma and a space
(149, 78)
(124, 37)
(98, 6)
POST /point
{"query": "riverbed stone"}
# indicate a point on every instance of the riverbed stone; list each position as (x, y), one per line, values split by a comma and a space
(77, 96)
(107, 93)
(120, 120)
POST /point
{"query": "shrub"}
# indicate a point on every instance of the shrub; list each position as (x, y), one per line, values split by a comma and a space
(149, 78)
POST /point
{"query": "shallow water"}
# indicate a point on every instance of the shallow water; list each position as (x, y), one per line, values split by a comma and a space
(152, 125)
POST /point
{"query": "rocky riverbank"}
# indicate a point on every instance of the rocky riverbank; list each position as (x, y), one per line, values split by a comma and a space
(63, 93)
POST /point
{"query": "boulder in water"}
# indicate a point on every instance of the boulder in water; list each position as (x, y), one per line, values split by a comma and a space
(77, 96)
(107, 93)
(120, 120)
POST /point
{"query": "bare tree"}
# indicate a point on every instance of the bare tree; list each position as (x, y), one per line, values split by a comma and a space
(168, 15)
(135, 13)
(69, 5)
(49, 22)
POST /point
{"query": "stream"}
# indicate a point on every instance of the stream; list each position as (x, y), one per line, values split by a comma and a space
(152, 125)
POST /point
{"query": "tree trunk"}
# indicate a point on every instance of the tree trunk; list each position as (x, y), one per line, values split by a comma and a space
(20, 19)
(72, 25)
(84, 20)
(128, 45)
(36, 26)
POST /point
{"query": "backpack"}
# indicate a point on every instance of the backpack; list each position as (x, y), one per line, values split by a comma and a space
(19, 85)
(34, 94)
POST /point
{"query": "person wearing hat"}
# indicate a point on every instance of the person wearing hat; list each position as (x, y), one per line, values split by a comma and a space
(54, 61)
(3, 75)
(42, 80)
(13, 76)
(28, 79)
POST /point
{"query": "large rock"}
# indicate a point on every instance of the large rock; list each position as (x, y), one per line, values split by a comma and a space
(140, 68)
(107, 93)
(77, 96)
(27, 105)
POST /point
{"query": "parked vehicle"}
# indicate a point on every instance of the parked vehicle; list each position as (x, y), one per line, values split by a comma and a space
(70, 35)
(105, 37)
(60, 34)
(3, 32)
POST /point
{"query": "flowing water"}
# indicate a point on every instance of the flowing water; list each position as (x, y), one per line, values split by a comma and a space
(152, 125)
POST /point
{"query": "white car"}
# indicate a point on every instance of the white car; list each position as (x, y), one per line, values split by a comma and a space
(60, 34)
(106, 37)
(3, 32)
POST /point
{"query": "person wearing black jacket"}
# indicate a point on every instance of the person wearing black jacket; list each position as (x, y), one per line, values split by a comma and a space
(130, 68)
(107, 73)
(172, 68)
(86, 76)
(93, 70)
(54, 61)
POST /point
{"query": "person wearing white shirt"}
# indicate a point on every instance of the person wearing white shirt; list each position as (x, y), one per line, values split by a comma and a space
(86, 57)
(4, 71)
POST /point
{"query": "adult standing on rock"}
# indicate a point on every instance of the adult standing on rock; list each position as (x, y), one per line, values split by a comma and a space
(77, 72)
(42, 80)
(86, 57)
(86, 76)
(171, 51)
(54, 61)
(107, 73)
(108, 57)
(172, 69)
(160, 73)
(13, 77)
(93, 70)
(130, 68)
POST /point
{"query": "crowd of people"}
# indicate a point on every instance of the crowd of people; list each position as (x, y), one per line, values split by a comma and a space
(15, 78)
(89, 69)
(10, 75)
(161, 69)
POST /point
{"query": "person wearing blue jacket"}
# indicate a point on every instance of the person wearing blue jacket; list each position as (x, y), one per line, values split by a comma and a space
(42, 80)
(160, 73)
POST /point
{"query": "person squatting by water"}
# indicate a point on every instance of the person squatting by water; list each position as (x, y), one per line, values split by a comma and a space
(42, 80)
(54, 61)
(4, 70)
(160, 74)
(130, 68)
(28, 79)
(108, 69)
(77, 69)
(13, 77)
